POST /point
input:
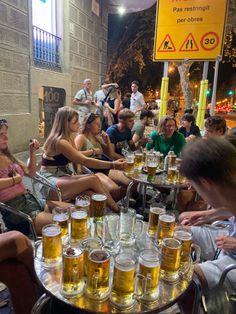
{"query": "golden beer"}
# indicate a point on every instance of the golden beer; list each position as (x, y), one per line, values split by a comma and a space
(98, 205)
(79, 225)
(138, 161)
(149, 269)
(88, 245)
(170, 259)
(61, 217)
(144, 157)
(98, 274)
(52, 245)
(72, 274)
(172, 160)
(82, 202)
(172, 174)
(153, 219)
(129, 166)
(185, 238)
(123, 286)
(166, 227)
(151, 170)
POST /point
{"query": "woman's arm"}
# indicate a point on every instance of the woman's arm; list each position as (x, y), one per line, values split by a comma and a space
(79, 143)
(65, 148)
(116, 106)
(9, 182)
(106, 144)
(32, 163)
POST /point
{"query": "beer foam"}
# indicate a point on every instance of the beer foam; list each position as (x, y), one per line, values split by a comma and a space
(182, 235)
(99, 197)
(72, 252)
(52, 231)
(157, 210)
(80, 214)
(124, 264)
(99, 255)
(150, 263)
(167, 218)
(60, 217)
(82, 203)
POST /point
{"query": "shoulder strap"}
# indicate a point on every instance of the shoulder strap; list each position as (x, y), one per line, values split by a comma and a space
(85, 93)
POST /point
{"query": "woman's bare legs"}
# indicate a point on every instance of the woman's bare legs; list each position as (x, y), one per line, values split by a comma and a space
(119, 178)
(117, 192)
(72, 186)
(41, 220)
(17, 270)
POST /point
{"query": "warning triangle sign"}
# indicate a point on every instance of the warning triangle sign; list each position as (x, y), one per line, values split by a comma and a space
(167, 45)
(189, 44)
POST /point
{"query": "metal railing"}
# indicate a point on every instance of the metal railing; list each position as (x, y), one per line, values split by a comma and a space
(46, 49)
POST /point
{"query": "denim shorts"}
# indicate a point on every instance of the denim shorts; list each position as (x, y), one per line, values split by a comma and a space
(25, 203)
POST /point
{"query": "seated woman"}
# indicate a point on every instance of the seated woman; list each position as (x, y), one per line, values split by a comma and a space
(60, 151)
(94, 144)
(167, 138)
(17, 270)
(12, 190)
(189, 129)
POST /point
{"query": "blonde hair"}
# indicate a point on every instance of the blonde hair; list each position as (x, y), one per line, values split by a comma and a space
(60, 129)
(163, 122)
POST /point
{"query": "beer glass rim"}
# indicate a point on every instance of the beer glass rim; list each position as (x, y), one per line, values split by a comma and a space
(84, 197)
(77, 249)
(83, 210)
(173, 240)
(167, 214)
(84, 242)
(99, 262)
(54, 225)
(63, 209)
(154, 252)
(159, 207)
(104, 197)
(177, 229)
(128, 256)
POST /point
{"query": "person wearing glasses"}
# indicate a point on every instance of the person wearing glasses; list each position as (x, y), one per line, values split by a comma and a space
(96, 144)
(167, 138)
(60, 151)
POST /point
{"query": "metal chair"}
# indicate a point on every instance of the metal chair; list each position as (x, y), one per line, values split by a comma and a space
(41, 303)
(4, 207)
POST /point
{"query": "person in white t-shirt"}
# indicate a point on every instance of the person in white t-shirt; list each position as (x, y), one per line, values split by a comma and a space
(83, 100)
(137, 102)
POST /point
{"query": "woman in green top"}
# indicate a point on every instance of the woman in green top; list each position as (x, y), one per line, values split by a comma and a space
(167, 138)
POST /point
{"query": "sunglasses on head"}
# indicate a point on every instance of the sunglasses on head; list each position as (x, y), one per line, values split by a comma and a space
(3, 122)
(92, 117)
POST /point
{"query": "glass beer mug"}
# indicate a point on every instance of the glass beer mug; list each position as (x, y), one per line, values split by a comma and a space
(128, 223)
(154, 213)
(129, 164)
(97, 286)
(170, 259)
(166, 226)
(148, 275)
(60, 216)
(185, 237)
(72, 272)
(108, 231)
(79, 224)
(51, 246)
(123, 286)
(98, 205)
(138, 161)
(83, 202)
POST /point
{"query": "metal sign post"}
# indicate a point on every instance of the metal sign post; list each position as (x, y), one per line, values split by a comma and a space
(213, 98)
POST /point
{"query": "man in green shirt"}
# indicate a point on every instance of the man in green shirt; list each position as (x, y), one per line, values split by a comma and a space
(167, 138)
(138, 129)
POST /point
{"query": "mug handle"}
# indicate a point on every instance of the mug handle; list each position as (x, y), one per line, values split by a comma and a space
(98, 234)
(197, 250)
(139, 280)
(139, 221)
(36, 247)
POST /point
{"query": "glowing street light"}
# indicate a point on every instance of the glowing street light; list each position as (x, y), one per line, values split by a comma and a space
(121, 10)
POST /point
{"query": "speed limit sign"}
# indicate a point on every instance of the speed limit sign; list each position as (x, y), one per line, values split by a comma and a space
(209, 41)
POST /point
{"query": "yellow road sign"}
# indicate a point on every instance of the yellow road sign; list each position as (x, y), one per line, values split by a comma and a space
(189, 29)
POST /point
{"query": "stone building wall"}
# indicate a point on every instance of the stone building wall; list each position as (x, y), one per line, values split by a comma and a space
(83, 54)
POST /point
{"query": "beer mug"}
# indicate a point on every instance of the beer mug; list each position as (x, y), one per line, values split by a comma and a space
(129, 164)
(170, 259)
(127, 226)
(154, 213)
(148, 275)
(72, 272)
(79, 224)
(108, 231)
(98, 205)
(152, 164)
(60, 216)
(97, 286)
(166, 226)
(171, 159)
(160, 160)
(185, 237)
(172, 174)
(83, 202)
(138, 161)
(51, 246)
(123, 286)
(87, 246)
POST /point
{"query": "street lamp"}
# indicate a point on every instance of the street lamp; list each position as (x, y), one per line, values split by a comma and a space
(121, 10)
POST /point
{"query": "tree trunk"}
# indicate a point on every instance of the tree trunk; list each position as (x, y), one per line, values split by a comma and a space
(183, 69)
